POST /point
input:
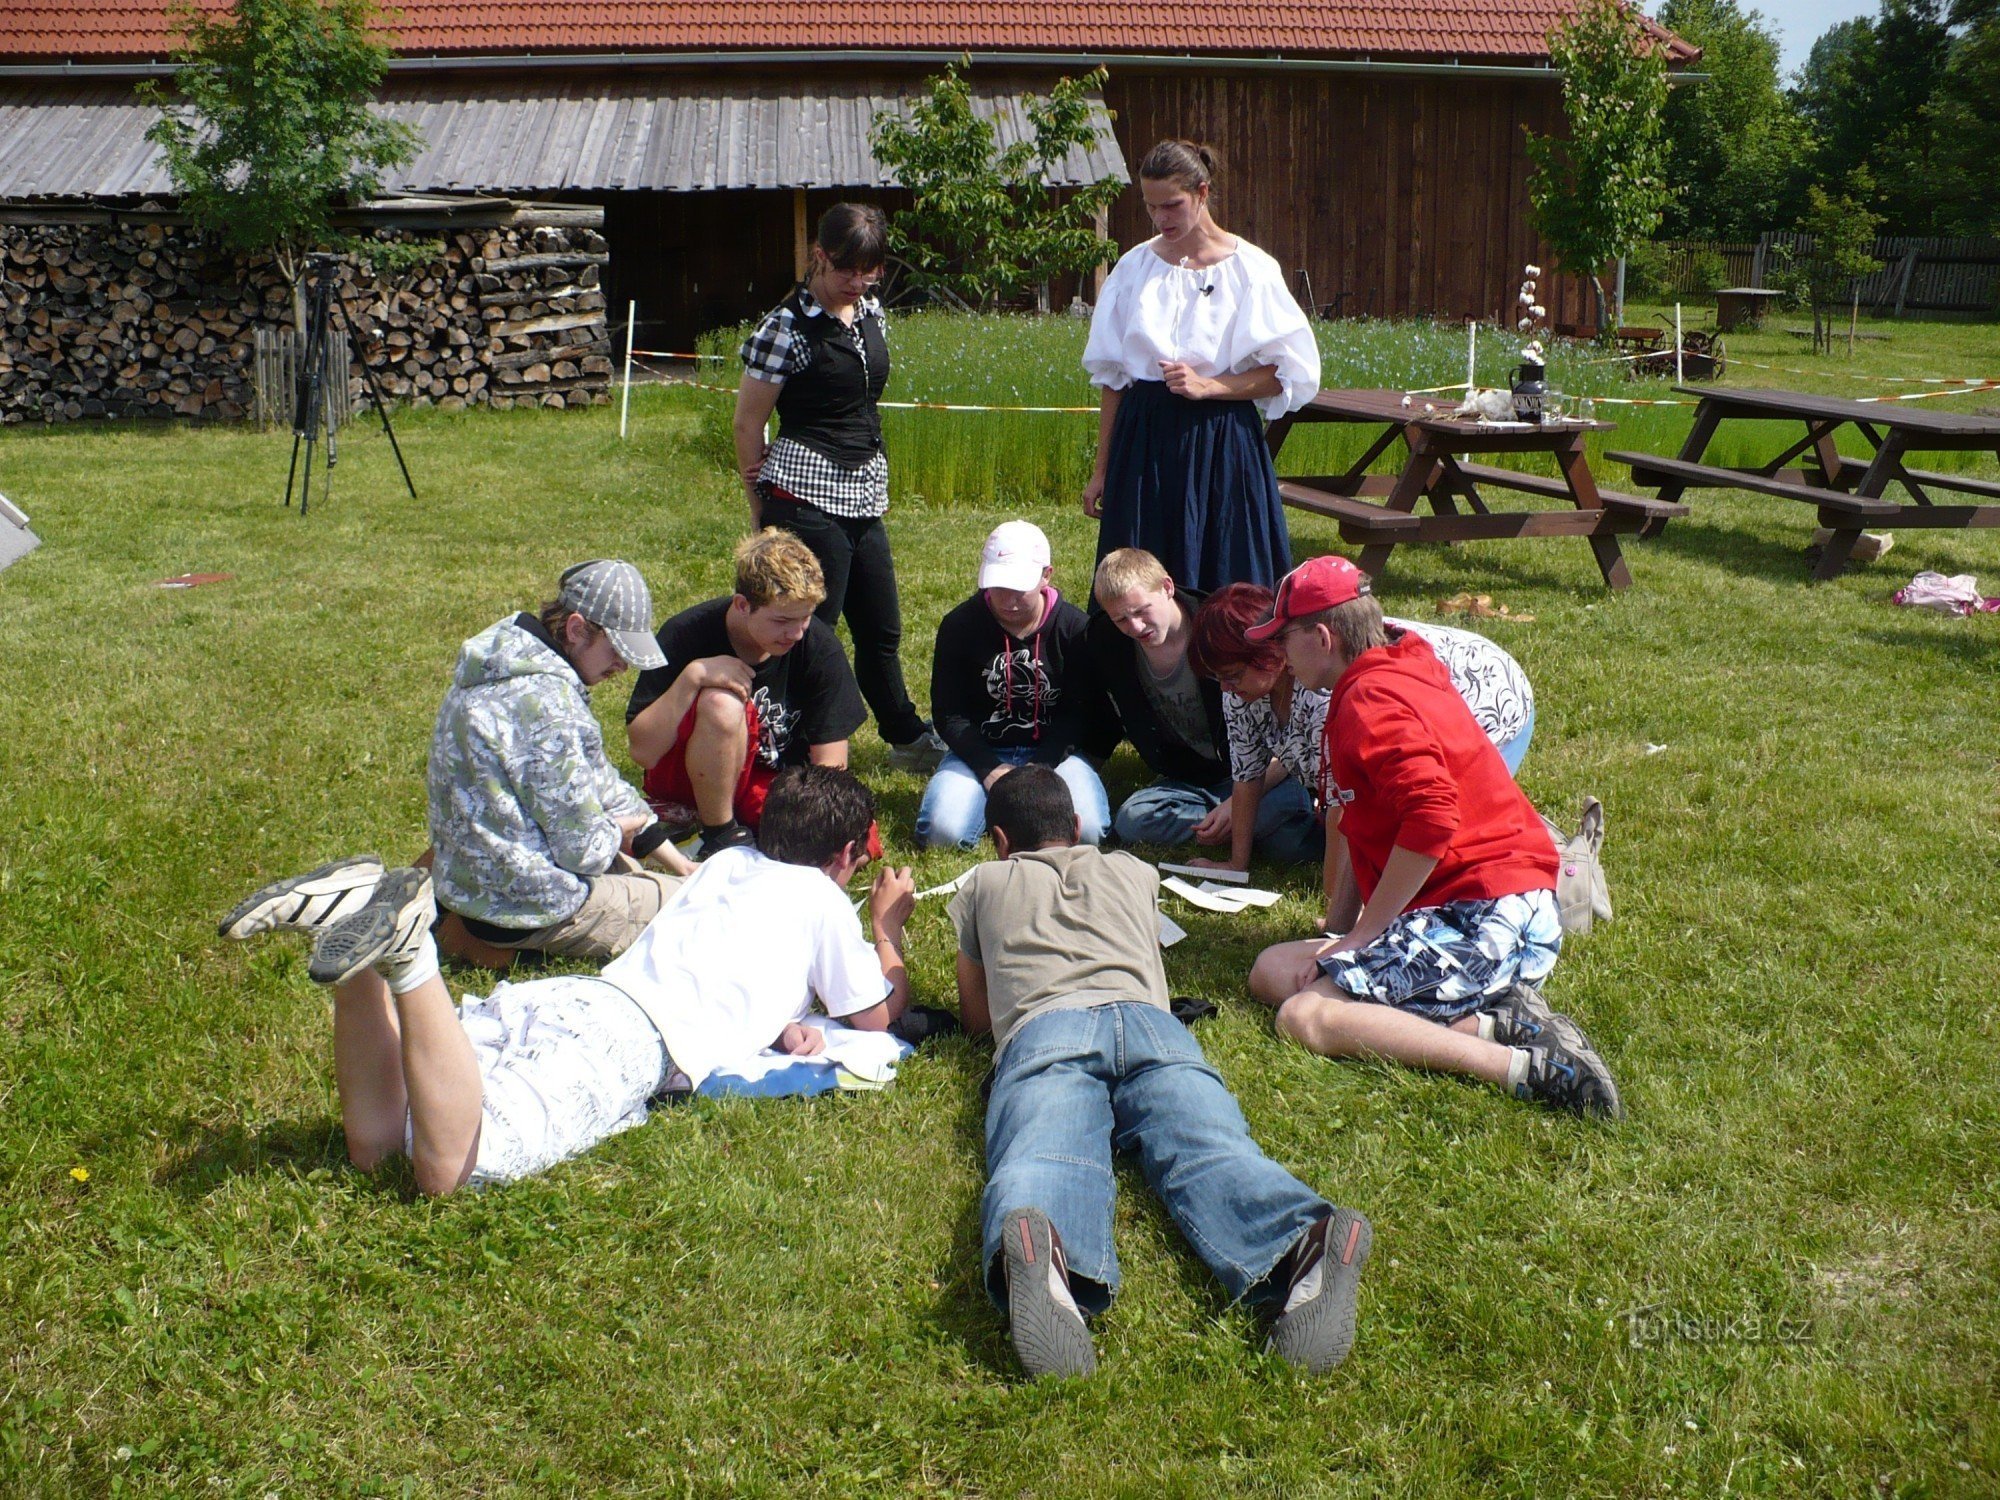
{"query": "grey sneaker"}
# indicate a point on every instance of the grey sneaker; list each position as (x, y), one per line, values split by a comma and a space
(308, 902)
(389, 930)
(1315, 1326)
(1576, 1081)
(1048, 1328)
(922, 754)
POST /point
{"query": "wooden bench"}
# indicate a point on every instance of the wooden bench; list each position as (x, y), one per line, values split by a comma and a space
(1673, 474)
(1362, 515)
(1654, 513)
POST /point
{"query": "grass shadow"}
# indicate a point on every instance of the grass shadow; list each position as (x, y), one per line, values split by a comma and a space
(214, 1154)
(1738, 551)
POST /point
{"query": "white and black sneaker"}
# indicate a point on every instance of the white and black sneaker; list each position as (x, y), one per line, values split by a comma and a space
(923, 755)
(1576, 1081)
(392, 928)
(308, 902)
(1048, 1329)
(1315, 1325)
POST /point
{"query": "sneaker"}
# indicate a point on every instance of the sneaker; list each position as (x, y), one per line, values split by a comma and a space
(735, 836)
(1576, 1081)
(1047, 1327)
(1521, 1018)
(390, 929)
(306, 902)
(1315, 1326)
(923, 754)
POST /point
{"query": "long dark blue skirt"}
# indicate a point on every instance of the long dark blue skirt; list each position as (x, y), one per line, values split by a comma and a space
(1192, 483)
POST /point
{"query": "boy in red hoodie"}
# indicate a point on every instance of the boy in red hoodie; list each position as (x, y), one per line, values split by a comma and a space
(1444, 885)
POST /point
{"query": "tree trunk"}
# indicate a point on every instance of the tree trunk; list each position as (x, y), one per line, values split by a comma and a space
(1604, 328)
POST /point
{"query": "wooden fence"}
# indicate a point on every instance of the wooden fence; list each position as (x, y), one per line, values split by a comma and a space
(274, 374)
(1918, 274)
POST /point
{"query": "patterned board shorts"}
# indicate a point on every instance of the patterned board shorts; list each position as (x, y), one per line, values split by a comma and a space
(1441, 962)
(563, 1064)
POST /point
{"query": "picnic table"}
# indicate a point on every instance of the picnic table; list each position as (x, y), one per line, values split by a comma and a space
(1377, 512)
(1848, 492)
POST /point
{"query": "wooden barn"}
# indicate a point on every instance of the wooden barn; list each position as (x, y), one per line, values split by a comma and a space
(1375, 150)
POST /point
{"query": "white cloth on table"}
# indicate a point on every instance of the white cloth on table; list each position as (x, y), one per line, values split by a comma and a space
(1222, 320)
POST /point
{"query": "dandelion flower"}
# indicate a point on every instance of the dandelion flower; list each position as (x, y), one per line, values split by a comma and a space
(81, 1174)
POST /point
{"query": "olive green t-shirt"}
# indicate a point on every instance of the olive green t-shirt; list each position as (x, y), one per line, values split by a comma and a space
(1061, 929)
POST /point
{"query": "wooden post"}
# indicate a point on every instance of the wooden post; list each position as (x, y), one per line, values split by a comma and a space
(1680, 376)
(1853, 317)
(1757, 259)
(1903, 281)
(625, 401)
(799, 256)
(1101, 223)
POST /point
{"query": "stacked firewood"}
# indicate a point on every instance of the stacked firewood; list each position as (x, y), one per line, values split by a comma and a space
(121, 318)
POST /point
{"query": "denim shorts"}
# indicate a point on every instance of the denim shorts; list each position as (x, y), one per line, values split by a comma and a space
(1442, 962)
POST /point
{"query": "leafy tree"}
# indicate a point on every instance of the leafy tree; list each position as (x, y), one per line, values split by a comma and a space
(1864, 89)
(1602, 189)
(984, 225)
(1963, 117)
(1842, 231)
(1736, 145)
(267, 129)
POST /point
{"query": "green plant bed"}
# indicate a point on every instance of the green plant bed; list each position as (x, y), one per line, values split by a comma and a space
(782, 1297)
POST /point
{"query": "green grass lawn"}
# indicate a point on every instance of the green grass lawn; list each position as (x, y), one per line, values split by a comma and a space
(1798, 993)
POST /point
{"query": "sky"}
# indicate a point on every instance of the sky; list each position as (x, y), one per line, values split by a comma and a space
(1800, 23)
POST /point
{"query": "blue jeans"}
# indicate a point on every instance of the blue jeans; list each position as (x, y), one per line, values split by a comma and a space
(1071, 1087)
(954, 807)
(1288, 832)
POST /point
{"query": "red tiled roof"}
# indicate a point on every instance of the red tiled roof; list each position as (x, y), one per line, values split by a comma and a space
(1501, 30)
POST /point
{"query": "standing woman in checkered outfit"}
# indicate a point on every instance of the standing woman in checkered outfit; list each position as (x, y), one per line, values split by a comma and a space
(820, 360)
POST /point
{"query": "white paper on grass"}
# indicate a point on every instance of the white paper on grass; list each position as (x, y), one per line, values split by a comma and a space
(1246, 896)
(1217, 898)
(1171, 932)
(949, 888)
(1205, 872)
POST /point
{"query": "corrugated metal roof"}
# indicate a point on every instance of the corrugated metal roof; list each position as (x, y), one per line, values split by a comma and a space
(88, 140)
(1466, 29)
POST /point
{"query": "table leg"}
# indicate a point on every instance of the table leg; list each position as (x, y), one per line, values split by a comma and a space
(1276, 433)
(1375, 558)
(1839, 546)
(1706, 419)
(1885, 466)
(1611, 562)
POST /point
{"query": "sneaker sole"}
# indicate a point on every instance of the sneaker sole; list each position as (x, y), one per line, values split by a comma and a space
(259, 913)
(1319, 1336)
(355, 942)
(1048, 1337)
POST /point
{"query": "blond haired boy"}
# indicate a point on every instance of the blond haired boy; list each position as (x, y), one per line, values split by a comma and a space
(752, 683)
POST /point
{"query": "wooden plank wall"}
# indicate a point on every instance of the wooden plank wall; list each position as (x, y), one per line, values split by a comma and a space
(1399, 195)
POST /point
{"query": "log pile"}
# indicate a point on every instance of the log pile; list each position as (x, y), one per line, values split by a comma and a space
(117, 315)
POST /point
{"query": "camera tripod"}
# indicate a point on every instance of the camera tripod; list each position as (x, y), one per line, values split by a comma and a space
(310, 412)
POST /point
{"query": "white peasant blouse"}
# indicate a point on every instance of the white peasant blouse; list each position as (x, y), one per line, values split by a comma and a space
(1221, 319)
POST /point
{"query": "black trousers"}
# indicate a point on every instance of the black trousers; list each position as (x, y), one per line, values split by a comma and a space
(860, 585)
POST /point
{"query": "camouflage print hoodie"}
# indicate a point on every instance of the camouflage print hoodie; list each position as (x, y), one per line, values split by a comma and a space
(523, 804)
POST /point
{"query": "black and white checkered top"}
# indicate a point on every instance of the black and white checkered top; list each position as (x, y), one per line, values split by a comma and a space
(779, 351)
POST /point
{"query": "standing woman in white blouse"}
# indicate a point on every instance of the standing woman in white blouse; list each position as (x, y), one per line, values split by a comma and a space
(1194, 335)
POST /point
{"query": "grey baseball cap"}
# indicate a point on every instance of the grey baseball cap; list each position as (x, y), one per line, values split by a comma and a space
(612, 596)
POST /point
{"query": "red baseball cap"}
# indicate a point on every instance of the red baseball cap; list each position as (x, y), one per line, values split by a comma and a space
(1308, 589)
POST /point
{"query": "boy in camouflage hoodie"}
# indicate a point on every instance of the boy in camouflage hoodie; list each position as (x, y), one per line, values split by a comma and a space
(538, 838)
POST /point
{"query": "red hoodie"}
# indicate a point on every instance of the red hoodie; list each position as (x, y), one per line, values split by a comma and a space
(1406, 763)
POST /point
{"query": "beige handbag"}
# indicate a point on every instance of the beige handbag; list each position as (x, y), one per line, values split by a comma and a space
(1581, 894)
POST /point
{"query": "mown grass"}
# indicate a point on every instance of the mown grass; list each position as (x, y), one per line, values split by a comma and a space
(1798, 993)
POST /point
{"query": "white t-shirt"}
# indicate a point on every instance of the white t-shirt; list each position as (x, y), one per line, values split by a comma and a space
(1222, 319)
(741, 951)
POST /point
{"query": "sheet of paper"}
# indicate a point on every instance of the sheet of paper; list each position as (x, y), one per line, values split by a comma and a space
(1202, 872)
(1171, 932)
(1224, 902)
(949, 888)
(1244, 896)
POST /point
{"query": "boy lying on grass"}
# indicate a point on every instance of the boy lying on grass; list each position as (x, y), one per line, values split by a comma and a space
(1445, 882)
(1059, 957)
(536, 1073)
